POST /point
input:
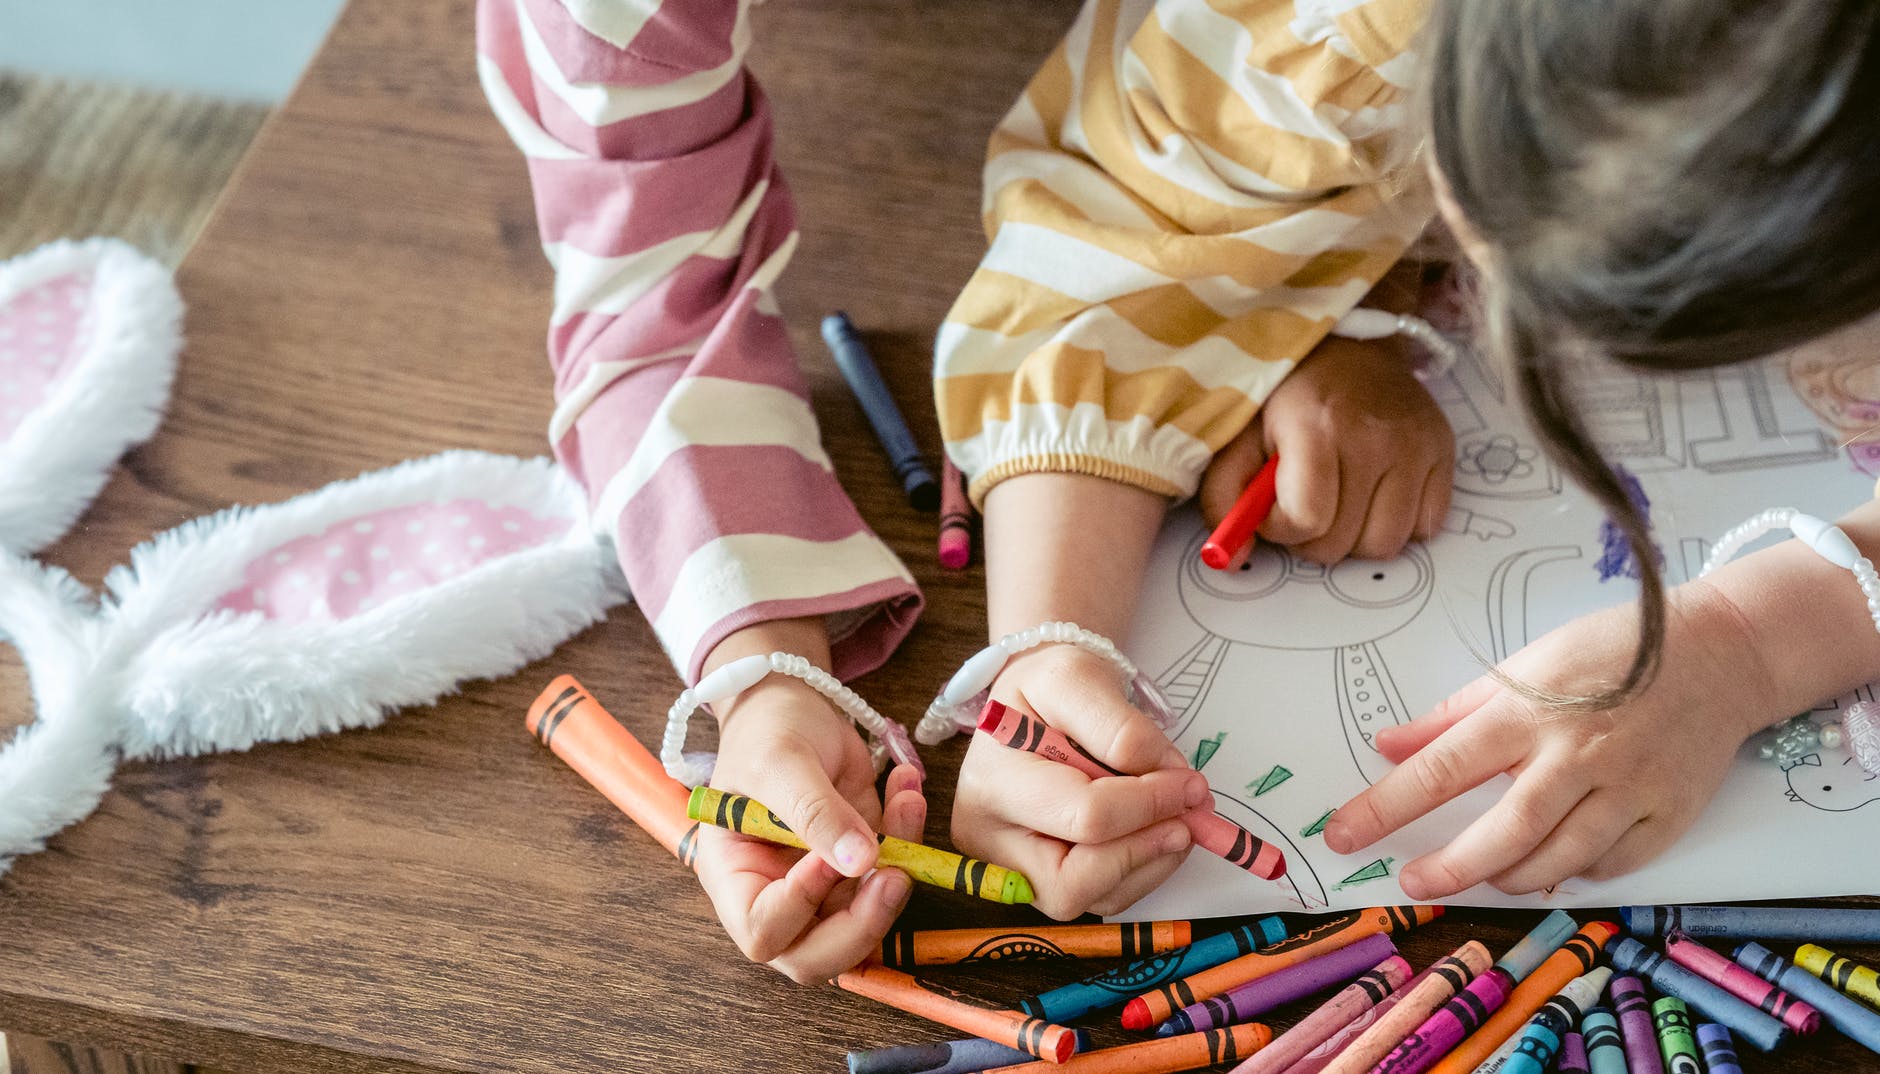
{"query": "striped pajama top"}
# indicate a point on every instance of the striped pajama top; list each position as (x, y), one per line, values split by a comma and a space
(679, 404)
(1185, 198)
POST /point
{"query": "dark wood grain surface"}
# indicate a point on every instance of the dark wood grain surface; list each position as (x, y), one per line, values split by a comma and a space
(441, 894)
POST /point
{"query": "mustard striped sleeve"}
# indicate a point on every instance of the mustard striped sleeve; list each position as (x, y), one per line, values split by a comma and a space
(1186, 197)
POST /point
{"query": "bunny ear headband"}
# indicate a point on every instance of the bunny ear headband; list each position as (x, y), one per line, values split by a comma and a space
(254, 624)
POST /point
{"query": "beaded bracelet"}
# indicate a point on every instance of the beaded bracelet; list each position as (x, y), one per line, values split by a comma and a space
(1367, 323)
(886, 738)
(957, 707)
(1859, 727)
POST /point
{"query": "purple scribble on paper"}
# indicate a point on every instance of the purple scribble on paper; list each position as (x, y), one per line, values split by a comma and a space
(1616, 558)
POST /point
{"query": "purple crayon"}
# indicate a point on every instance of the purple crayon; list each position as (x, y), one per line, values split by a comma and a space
(1450, 1026)
(1744, 985)
(1243, 1003)
(1719, 1049)
(1356, 999)
(1573, 1056)
(1634, 1009)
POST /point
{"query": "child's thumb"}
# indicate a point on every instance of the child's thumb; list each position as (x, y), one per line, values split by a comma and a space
(799, 792)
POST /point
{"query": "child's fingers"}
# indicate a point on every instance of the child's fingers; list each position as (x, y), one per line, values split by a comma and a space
(1069, 879)
(1455, 763)
(1641, 843)
(850, 934)
(1231, 472)
(904, 816)
(1587, 835)
(762, 912)
(1527, 814)
(1357, 483)
(1060, 802)
(1391, 516)
(1399, 742)
(1091, 710)
(795, 786)
(1307, 488)
(1439, 486)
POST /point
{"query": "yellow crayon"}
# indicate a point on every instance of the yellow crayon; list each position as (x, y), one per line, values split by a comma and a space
(942, 869)
(1849, 976)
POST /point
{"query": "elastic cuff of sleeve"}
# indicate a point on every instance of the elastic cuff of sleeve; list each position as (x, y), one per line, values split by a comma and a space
(1067, 462)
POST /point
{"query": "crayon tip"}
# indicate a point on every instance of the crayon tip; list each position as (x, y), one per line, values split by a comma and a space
(956, 550)
(1066, 1047)
(1016, 889)
(1177, 1024)
(990, 716)
(1136, 1015)
(695, 803)
(1269, 864)
(1215, 556)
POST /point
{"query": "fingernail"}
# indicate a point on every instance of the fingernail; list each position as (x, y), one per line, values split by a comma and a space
(1336, 840)
(895, 886)
(1175, 839)
(853, 853)
(1198, 793)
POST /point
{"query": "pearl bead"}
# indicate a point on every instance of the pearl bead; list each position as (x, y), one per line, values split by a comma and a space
(1831, 736)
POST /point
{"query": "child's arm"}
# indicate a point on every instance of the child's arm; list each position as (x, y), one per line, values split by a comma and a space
(679, 405)
(1599, 794)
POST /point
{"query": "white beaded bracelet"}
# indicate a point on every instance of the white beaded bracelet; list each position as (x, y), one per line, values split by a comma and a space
(957, 707)
(1367, 323)
(886, 738)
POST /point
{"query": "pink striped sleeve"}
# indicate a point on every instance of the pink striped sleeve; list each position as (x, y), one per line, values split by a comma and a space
(679, 404)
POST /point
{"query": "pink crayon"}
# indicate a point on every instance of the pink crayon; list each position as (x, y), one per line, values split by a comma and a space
(1739, 982)
(1213, 833)
(1355, 999)
(1322, 1056)
(1445, 979)
(1450, 1026)
(956, 520)
(1245, 1002)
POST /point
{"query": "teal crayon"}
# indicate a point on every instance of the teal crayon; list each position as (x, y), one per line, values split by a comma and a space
(1117, 986)
(1541, 941)
(1605, 1048)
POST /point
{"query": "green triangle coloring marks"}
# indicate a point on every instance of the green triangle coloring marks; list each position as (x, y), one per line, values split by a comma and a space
(1377, 870)
(1272, 779)
(1318, 825)
(1204, 750)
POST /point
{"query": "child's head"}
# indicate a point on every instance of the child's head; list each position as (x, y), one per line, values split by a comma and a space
(1670, 184)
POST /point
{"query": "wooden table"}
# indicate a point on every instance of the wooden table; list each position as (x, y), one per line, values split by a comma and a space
(441, 894)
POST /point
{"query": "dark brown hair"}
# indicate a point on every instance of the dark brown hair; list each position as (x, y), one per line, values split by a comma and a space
(1670, 184)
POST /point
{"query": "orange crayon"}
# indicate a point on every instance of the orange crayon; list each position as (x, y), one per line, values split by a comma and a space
(947, 947)
(1014, 1029)
(1189, 1051)
(1154, 1007)
(567, 719)
(1574, 958)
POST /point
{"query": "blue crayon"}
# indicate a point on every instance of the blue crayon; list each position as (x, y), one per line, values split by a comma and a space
(1858, 1023)
(1118, 986)
(1761, 1030)
(1718, 1048)
(858, 368)
(1543, 940)
(952, 1057)
(1605, 1048)
(1803, 924)
(1533, 1051)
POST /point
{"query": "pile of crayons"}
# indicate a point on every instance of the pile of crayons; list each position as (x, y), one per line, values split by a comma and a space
(1572, 998)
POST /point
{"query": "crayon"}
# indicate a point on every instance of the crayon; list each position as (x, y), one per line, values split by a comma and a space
(1435, 986)
(1804, 924)
(1243, 1003)
(567, 719)
(1316, 1060)
(1189, 1052)
(1634, 1011)
(1854, 1021)
(1454, 1022)
(948, 947)
(925, 999)
(1111, 987)
(1761, 1030)
(897, 441)
(1213, 832)
(1744, 985)
(1316, 1028)
(1342, 931)
(1234, 535)
(949, 1057)
(1672, 1019)
(1718, 1048)
(1541, 941)
(940, 868)
(956, 518)
(1531, 1050)
(1573, 1058)
(1574, 958)
(1605, 1049)
(1849, 976)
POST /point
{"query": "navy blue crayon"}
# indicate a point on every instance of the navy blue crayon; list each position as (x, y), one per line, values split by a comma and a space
(1122, 985)
(858, 368)
(1858, 1023)
(1719, 1049)
(1761, 1030)
(1605, 1048)
(1802, 924)
(952, 1057)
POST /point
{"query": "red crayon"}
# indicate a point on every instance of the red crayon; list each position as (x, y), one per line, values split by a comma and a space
(1213, 832)
(1231, 539)
(956, 519)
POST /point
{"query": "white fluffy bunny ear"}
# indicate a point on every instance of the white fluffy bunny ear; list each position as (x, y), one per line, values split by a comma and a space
(333, 608)
(89, 333)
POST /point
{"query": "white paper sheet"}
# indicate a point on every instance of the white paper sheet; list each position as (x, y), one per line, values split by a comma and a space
(1288, 668)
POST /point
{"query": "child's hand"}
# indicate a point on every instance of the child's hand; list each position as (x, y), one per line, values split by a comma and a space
(1085, 845)
(784, 745)
(1365, 456)
(1595, 794)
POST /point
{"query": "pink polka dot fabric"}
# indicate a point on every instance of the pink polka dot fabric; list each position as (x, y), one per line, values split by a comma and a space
(357, 564)
(43, 330)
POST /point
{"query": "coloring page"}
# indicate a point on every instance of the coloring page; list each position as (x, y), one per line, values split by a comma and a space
(1281, 672)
